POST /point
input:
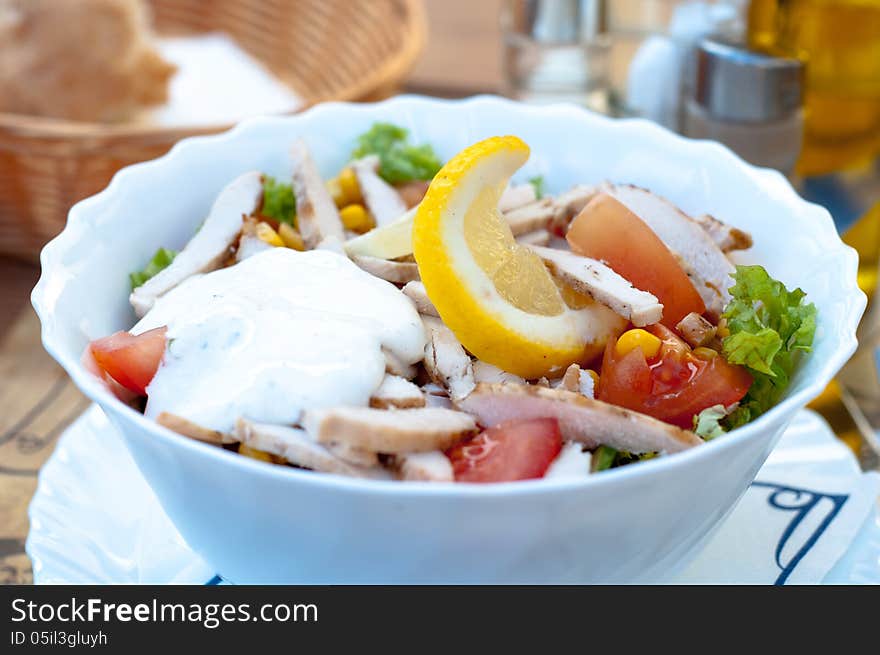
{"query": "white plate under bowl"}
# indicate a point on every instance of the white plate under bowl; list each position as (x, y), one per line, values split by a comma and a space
(94, 520)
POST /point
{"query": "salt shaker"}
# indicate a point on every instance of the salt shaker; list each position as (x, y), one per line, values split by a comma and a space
(751, 102)
(556, 51)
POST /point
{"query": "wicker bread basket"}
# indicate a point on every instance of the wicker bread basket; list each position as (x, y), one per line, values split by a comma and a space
(324, 49)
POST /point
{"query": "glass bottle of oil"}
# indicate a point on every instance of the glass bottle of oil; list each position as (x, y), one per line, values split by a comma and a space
(839, 40)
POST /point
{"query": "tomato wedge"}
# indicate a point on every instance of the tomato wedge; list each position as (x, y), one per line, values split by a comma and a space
(131, 360)
(513, 450)
(608, 231)
(675, 385)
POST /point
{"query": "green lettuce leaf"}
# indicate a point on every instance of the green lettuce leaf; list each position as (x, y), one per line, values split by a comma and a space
(707, 424)
(160, 260)
(770, 327)
(538, 183)
(278, 200)
(606, 457)
(399, 161)
(757, 350)
(603, 458)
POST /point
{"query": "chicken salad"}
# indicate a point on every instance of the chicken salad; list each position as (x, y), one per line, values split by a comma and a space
(415, 320)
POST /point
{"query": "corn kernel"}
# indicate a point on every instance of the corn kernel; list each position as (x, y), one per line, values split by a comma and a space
(705, 353)
(348, 183)
(253, 453)
(356, 218)
(335, 191)
(290, 237)
(267, 234)
(638, 338)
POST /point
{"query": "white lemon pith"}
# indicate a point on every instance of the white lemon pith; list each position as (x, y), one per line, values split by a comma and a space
(389, 241)
(494, 294)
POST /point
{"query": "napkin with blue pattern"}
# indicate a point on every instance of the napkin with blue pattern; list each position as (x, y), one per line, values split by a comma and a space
(808, 507)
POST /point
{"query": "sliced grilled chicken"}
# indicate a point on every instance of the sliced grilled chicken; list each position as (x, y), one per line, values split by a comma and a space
(395, 272)
(516, 196)
(295, 446)
(210, 246)
(250, 245)
(412, 192)
(353, 455)
(432, 466)
(446, 361)
(331, 243)
(571, 381)
(591, 422)
(696, 330)
(192, 430)
(536, 238)
(578, 380)
(436, 396)
(572, 462)
(443, 402)
(434, 389)
(390, 431)
(486, 372)
(706, 266)
(531, 217)
(396, 366)
(382, 199)
(595, 279)
(727, 238)
(396, 392)
(569, 204)
(550, 213)
(316, 213)
(416, 292)
(576, 198)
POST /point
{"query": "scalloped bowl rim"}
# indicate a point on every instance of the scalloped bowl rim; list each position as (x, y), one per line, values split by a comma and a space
(772, 181)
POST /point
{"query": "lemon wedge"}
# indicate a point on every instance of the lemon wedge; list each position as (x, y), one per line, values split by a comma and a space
(494, 294)
(388, 241)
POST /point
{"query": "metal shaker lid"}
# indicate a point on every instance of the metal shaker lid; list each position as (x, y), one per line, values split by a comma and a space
(735, 84)
(555, 21)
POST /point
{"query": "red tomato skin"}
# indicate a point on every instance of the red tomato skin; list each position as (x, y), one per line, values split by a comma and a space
(675, 385)
(719, 383)
(626, 380)
(131, 360)
(87, 359)
(513, 450)
(608, 231)
(669, 338)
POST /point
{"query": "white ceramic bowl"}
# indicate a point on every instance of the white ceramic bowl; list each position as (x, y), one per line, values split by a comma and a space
(266, 524)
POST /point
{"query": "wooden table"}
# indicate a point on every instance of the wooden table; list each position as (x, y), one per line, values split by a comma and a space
(37, 401)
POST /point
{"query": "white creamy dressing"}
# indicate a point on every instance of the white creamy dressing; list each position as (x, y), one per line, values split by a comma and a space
(277, 333)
